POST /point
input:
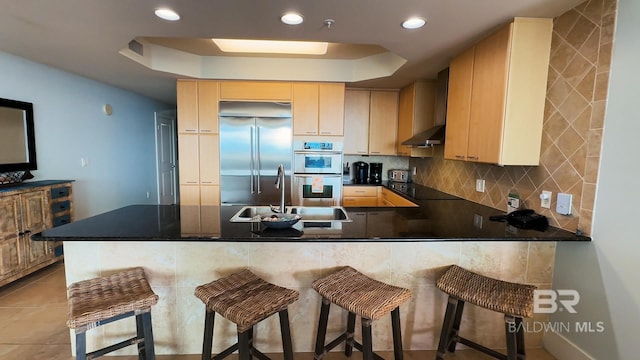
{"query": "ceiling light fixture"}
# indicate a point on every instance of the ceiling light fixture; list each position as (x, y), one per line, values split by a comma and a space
(167, 14)
(414, 23)
(292, 18)
(271, 46)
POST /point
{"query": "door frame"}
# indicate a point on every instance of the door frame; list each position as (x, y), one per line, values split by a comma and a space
(171, 116)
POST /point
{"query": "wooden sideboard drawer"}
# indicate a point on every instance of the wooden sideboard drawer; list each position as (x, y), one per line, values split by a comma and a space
(61, 220)
(60, 192)
(60, 206)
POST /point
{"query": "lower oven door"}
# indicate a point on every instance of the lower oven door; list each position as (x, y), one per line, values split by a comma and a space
(316, 190)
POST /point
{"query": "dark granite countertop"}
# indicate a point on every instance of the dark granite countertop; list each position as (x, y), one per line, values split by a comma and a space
(439, 217)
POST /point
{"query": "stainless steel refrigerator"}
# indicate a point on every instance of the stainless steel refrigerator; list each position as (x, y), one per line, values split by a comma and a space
(255, 137)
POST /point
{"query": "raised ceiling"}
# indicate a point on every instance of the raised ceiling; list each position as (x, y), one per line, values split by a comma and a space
(90, 38)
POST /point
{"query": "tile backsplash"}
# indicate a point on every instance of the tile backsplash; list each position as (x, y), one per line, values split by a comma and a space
(577, 89)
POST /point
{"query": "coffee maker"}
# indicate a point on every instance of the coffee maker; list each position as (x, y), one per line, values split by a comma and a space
(375, 173)
(361, 172)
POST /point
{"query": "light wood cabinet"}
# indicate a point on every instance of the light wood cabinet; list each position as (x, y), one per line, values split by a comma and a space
(255, 90)
(318, 109)
(372, 196)
(359, 196)
(356, 121)
(371, 121)
(415, 114)
(24, 211)
(199, 149)
(498, 89)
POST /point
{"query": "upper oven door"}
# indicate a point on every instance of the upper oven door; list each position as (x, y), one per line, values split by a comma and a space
(314, 162)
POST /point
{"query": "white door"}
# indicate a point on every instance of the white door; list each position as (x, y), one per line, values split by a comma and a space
(166, 157)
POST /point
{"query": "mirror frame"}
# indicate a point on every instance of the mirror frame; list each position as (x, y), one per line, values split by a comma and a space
(32, 164)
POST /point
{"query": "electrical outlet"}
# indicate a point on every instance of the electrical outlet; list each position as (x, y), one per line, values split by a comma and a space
(414, 171)
(480, 185)
(545, 199)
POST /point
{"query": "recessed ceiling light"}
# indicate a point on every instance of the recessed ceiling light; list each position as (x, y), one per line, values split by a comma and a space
(271, 46)
(414, 23)
(292, 19)
(167, 14)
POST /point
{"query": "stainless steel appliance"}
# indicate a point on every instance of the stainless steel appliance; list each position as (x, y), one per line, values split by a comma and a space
(317, 178)
(360, 172)
(255, 138)
(398, 175)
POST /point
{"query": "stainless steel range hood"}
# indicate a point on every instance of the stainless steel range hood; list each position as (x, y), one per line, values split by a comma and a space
(433, 136)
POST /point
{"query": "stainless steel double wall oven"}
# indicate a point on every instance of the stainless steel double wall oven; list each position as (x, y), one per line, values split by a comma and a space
(317, 173)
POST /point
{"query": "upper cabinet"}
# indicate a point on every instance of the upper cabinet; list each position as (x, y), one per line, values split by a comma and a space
(318, 109)
(371, 121)
(497, 96)
(415, 115)
(255, 90)
(197, 106)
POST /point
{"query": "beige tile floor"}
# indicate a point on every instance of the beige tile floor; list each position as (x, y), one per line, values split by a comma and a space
(33, 314)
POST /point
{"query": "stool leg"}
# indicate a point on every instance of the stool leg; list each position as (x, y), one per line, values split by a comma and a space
(367, 343)
(81, 345)
(207, 343)
(447, 326)
(149, 351)
(455, 330)
(520, 339)
(322, 328)
(244, 353)
(351, 329)
(285, 332)
(512, 342)
(397, 334)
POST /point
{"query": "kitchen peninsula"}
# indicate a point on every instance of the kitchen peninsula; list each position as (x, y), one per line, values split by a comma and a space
(182, 247)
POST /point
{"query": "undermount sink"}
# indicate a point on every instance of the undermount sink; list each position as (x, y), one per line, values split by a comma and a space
(308, 213)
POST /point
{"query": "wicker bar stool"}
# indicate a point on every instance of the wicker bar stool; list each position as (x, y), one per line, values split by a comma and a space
(245, 299)
(359, 295)
(107, 299)
(514, 300)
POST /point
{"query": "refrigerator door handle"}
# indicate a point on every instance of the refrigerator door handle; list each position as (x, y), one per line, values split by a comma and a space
(252, 160)
(259, 167)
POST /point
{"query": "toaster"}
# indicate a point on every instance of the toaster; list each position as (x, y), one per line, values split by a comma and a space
(397, 175)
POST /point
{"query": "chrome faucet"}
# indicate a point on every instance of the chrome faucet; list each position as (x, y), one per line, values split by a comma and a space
(280, 185)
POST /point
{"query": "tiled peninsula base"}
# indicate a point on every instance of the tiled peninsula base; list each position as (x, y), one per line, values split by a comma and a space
(174, 269)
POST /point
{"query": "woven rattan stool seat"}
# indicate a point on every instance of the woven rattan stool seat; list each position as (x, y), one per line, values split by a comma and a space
(103, 298)
(244, 298)
(497, 295)
(361, 294)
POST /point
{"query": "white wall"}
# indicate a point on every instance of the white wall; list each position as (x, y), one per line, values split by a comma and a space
(605, 272)
(70, 124)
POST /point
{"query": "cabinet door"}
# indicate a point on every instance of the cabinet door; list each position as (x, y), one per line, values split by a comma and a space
(11, 260)
(459, 105)
(209, 159)
(35, 218)
(331, 109)
(187, 99)
(189, 194)
(488, 96)
(383, 122)
(207, 107)
(305, 109)
(255, 90)
(356, 121)
(405, 119)
(189, 163)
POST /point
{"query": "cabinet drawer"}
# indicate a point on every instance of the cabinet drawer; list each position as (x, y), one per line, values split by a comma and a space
(60, 192)
(61, 220)
(60, 206)
(360, 201)
(360, 191)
